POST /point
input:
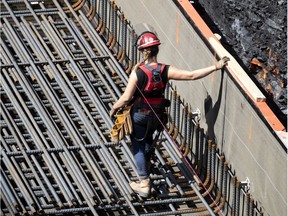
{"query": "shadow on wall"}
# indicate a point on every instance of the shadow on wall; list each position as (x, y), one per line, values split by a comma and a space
(211, 112)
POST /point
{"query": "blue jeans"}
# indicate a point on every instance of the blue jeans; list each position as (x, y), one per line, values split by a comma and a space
(144, 125)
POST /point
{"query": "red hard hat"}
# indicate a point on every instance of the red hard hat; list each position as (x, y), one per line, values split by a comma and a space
(148, 39)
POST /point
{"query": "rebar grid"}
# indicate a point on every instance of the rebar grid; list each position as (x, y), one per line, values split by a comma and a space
(62, 67)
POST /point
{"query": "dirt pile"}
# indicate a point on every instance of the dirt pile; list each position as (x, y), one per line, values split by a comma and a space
(256, 31)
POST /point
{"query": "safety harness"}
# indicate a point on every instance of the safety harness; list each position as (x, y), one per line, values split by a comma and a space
(152, 95)
(153, 92)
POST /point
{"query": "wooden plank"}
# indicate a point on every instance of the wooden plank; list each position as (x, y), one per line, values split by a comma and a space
(237, 72)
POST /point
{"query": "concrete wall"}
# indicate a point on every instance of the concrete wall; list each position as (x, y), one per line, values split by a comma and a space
(249, 146)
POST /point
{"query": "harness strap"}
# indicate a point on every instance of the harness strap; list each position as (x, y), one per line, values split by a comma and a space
(154, 88)
(156, 72)
(153, 70)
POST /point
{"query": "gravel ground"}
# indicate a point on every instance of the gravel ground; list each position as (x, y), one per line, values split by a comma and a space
(254, 31)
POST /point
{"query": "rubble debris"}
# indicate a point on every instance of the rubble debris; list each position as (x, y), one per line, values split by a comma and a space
(257, 35)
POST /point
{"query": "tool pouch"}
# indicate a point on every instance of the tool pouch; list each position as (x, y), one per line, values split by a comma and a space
(122, 125)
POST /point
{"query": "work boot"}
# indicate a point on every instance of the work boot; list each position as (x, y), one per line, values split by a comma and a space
(142, 188)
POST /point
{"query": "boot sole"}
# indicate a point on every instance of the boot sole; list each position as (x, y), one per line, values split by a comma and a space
(145, 195)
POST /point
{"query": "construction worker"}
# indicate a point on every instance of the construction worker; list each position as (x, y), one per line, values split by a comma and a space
(145, 90)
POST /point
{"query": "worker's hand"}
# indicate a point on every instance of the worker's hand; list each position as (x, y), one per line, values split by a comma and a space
(112, 113)
(220, 64)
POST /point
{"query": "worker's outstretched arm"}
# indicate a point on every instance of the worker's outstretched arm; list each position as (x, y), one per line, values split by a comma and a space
(179, 74)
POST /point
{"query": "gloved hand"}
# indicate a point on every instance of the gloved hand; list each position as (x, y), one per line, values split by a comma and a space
(220, 64)
(112, 113)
